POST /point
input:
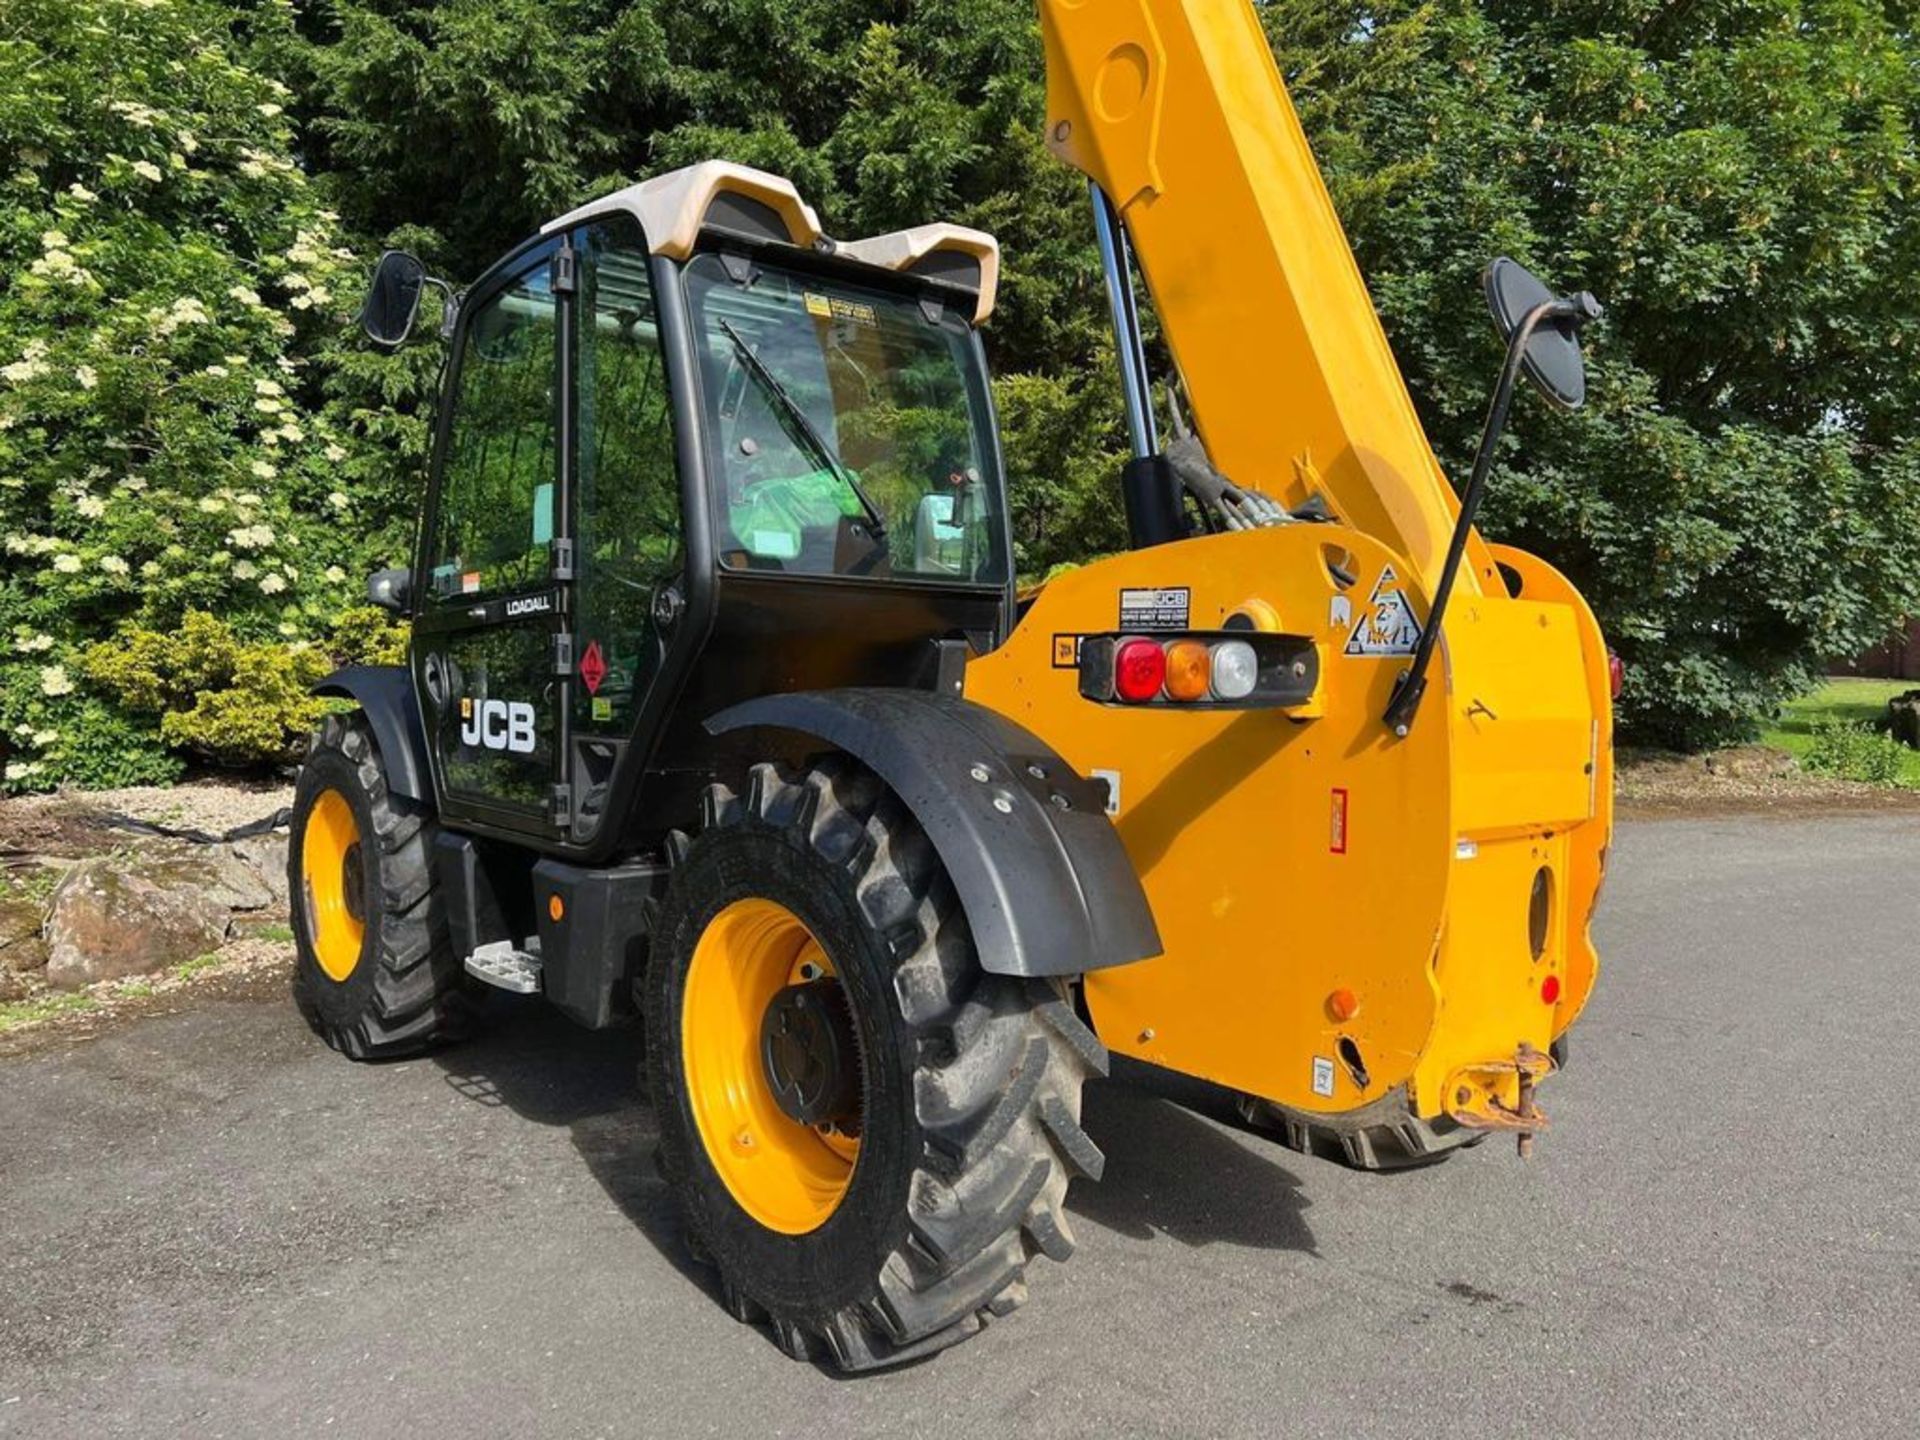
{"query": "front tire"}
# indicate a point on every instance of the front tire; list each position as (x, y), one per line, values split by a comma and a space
(966, 1128)
(375, 974)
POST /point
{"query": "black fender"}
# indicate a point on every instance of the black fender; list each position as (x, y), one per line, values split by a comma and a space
(385, 694)
(1047, 886)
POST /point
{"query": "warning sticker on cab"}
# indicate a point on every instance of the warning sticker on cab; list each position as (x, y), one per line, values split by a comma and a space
(833, 307)
(1155, 609)
(1386, 626)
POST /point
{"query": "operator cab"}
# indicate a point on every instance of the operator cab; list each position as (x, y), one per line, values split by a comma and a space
(690, 451)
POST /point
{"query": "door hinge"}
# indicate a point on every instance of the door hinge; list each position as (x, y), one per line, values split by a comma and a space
(560, 804)
(563, 271)
(563, 654)
(560, 556)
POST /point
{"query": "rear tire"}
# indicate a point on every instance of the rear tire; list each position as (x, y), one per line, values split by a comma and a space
(374, 974)
(969, 1119)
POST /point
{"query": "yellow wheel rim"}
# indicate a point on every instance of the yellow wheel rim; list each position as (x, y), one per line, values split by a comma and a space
(331, 879)
(788, 1176)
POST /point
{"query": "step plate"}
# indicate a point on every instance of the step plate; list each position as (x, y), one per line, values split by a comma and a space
(505, 965)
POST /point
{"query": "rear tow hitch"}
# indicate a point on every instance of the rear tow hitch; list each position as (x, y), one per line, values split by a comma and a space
(1478, 1100)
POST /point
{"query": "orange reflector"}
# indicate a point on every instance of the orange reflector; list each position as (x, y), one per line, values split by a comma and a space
(1189, 670)
(556, 908)
(1343, 1005)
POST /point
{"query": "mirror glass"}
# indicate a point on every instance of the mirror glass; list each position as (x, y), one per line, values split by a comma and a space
(393, 300)
(389, 589)
(1552, 361)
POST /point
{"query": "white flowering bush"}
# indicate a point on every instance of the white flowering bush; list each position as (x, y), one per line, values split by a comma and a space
(173, 435)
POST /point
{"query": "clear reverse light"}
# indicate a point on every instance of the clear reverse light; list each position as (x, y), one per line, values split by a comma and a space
(1235, 669)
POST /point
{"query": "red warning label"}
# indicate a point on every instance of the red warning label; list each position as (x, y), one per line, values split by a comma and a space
(593, 669)
(1337, 832)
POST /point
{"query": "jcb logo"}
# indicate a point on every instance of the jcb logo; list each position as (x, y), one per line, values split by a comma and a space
(498, 725)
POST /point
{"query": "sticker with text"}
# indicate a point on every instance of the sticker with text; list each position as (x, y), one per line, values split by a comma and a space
(1386, 626)
(1322, 1075)
(1337, 828)
(1163, 608)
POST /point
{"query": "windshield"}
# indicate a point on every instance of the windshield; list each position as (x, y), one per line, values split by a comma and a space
(850, 426)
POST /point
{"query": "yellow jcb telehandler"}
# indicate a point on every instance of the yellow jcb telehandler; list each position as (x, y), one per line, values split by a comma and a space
(722, 711)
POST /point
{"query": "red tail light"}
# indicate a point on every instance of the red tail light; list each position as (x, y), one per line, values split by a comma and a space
(1616, 673)
(1139, 670)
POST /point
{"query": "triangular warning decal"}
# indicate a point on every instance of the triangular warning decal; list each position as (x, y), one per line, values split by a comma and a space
(1386, 626)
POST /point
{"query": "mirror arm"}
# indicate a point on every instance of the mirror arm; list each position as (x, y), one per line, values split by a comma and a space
(449, 304)
(1413, 680)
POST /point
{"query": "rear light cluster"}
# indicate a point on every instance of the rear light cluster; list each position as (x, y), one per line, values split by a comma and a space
(1227, 669)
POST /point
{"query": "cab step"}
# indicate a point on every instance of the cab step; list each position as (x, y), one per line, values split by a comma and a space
(507, 966)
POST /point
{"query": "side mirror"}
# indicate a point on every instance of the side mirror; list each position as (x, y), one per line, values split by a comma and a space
(391, 589)
(1551, 360)
(393, 300)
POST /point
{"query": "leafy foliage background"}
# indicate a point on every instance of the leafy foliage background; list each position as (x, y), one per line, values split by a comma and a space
(196, 450)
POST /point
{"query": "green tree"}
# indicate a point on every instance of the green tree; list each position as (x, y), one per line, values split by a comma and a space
(188, 424)
(1741, 499)
(166, 278)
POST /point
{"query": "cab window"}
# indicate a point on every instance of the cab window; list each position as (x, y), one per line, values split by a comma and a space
(628, 532)
(495, 518)
(851, 426)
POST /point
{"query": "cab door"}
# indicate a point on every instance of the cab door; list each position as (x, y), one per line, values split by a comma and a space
(491, 661)
(630, 575)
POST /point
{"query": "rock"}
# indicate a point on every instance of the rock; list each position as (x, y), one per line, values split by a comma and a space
(14, 987)
(266, 856)
(23, 957)
(225, 876)
(114, 916)
(21, 917)
(21, 948)
(1903, 718)
(1751, 762)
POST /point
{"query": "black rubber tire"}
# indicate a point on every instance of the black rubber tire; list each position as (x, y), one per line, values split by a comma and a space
(1382, 1136)
(405, 995)
(971, 1081)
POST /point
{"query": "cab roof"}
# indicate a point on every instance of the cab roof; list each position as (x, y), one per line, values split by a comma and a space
(720, 196)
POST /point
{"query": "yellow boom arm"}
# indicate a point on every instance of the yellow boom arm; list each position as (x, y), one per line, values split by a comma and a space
(1175, 109)
(1376, 933)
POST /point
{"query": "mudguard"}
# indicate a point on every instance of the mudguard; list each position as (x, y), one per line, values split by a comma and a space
(1047, 886)
(385, 694)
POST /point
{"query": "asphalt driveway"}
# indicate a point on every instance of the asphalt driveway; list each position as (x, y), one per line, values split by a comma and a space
(209, 1224)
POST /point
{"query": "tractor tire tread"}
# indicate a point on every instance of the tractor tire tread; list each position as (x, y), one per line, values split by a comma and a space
(417, 999)
(999, 1063)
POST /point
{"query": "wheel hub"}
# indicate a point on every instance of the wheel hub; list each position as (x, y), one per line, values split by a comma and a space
(810, 1055)
(353, 880)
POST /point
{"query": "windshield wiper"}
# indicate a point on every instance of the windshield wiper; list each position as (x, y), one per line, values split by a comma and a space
(800, 428)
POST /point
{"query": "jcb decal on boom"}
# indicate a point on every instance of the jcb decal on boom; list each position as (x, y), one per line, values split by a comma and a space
(498, 725)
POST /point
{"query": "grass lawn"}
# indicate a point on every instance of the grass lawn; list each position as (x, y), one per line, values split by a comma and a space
(1859, 701)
